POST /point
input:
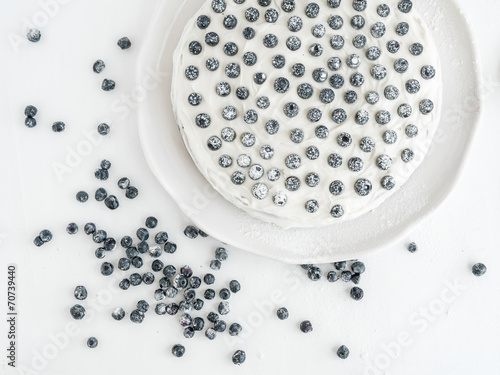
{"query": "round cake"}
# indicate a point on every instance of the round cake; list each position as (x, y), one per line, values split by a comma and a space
(307, 113)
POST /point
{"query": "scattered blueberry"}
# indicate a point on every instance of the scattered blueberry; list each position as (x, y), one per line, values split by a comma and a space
(131, 192)
(77, 312)
(332, 276)
(356, 293)
(45, 235)
(107, 268)
(38, 241)
(137, 316)
(239, 356)
(346, 276)
(58, 126)
(478, 269)
(80, 292)
(343, 352)
(108, 84)
(314, 273)
(92, 342)
(34, 35)
(111, 202)
(103, 129)
(118, 313)
(306, 326)
(124, 43)
(98, 66)
(215, 264)
(412, 247)
(282, 313)
(30, 122)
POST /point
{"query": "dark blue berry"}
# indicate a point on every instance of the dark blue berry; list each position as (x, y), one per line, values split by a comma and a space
(148, 278)
(356, 293)
(358, 267)
(131, 192)
(194, 282)
(142, 234)
(92, 342)
(282, 313)
(195, 47)
(30, 111)
(100, 194)
(203, 21)
(306, 326)
(288, 5)
(109, 244)
(98, 66)
(212, 317)
(191, 232)
(38, 241)
(169, 270)
(314, 273)
(77, 312)
(479, 269)
(248, 33)
(215, 264)
(332, 276)
(209, 294)
(124, 264)
(239, 356)
(346, 276)
(343, 352)
(58, 126)
(137, 316)
(198, 304)
(224, 308)
(111, 202)
(230, 22)
(34, 35)
(142, 306)
(137, 262)
(80, 292)
(172, 308)
(135, 279)
(45, 235)
(108, 84)
(209, 279)
(124, 43)
(170, 247)
(118, 313)
(125, 284)
(210, 333)
(107, 268)
(30, 122)
(142, 247)
(235, 329)
(220, 326)
(224, 294)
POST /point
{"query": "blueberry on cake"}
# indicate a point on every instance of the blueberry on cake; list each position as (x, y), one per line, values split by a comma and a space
(307, 113)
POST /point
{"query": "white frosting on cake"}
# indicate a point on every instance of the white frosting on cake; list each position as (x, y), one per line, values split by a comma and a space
(293, 213)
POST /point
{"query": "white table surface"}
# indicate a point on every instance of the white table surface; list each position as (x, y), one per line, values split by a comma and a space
(423, 313)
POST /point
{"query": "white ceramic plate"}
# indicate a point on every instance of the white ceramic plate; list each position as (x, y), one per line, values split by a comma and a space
(417, 199)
